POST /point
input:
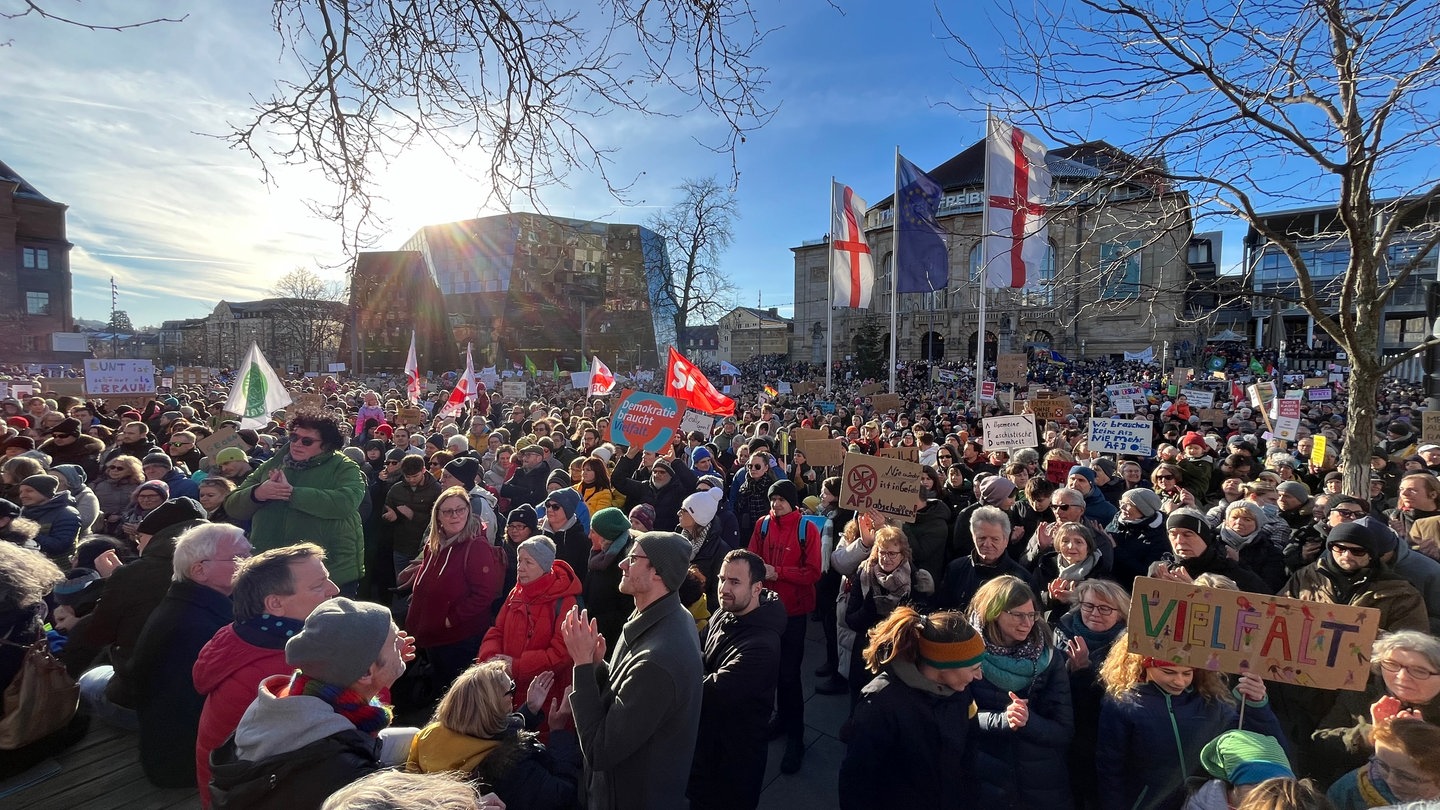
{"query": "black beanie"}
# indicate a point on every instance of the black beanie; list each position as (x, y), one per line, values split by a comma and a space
(524, 514)
(1353, 533)
(173, 511)
(785, 488)
(465, 469)
(1192, 520)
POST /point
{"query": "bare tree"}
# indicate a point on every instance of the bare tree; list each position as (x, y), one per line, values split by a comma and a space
(310, 317)
(1255, 107)
(697, 230)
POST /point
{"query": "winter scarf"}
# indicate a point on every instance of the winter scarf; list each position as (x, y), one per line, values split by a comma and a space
(890, 589)
(1077, 571)
(369, 717)
(1015, 668)
(1237, 541)
(697, 537)
(1072, 625)
(600, 559)
(291, 464)
(278, 628)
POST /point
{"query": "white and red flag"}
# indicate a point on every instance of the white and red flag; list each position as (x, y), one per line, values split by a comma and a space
(852, 268)
(464, 390)
(412, 373)
(1017, 192)
(602, 381)
(684, 380)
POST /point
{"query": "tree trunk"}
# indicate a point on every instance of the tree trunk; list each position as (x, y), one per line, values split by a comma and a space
(1360, 423)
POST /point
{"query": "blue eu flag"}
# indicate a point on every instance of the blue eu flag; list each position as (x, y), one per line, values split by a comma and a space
(921, 261)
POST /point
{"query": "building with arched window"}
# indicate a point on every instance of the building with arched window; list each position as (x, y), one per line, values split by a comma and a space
(1113, 281)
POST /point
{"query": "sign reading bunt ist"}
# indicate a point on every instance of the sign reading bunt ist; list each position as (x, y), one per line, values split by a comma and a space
(645, 419)
(118, 377)
(1277, 638)
(890, 486)
(1120, 436)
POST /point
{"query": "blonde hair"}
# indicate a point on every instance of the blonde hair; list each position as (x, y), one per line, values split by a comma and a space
(1280, 793)
(437, 539)
(889, 536)
(1124, 671)
(388, 789)
(1106, 590)
(476, 704)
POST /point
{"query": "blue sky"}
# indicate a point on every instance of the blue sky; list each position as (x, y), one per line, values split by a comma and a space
(112, 125)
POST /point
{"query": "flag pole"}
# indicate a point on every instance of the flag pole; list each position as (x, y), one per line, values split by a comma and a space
(894, 266)
(984, 270)
(830, 292)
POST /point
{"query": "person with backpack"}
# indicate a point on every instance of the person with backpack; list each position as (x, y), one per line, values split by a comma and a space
(790, 548)
(460, 577)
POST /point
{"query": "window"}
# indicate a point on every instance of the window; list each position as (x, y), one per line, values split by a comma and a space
(36, 259)
(37, 303)
(1042, 291)
(1120, 270)
(976, 262)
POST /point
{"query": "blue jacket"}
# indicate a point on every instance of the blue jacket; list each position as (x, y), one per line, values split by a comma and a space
(1152, 743)
(1097, 508)
(180, 485)
(59, 526)
(1027, 767)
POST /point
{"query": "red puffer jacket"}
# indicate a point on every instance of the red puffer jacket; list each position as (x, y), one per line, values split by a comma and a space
(455, 589)
(797, 569)
(228, 673)
(528, 629)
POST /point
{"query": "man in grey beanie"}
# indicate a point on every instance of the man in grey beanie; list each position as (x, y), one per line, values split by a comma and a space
(311, 733)
(637, 716)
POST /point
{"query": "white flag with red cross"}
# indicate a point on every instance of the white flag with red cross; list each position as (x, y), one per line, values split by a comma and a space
(1017, 193)
(464, 390)
(852, 269)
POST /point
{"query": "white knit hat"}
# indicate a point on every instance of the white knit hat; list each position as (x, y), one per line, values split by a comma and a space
(703, 505)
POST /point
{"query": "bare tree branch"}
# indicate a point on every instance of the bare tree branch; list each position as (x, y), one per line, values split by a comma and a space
(36, 9)
(697, 231)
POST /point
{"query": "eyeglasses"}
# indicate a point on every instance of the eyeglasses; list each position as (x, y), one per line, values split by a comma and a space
(632, 557)
(391, 463)
(1068, 506)
(1099, 610)
(1033, 616)
(1353, 551)
(1348, 514)
(511, 690)
(1395, 776)
(888, 555)
(1164, 478)
(1418, 673)
(304, 441)
(456, 512)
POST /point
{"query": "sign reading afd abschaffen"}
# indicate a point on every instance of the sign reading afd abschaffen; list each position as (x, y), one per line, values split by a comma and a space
(1120, 436)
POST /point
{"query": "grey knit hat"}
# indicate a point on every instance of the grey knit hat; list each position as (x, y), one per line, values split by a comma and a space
(541, 549)
(669, 555)
(340, 641)
(1144, 500)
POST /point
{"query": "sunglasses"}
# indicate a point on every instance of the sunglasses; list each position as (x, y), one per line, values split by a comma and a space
(303, 441)
(1164, 478)
(116, 467)
(1349, 514)
(1353, 551)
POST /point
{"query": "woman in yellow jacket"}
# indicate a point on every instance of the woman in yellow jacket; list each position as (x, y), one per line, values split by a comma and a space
(594, 486)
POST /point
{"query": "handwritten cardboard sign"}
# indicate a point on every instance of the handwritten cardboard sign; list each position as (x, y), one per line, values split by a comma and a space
(885, 402)
(697, 420)
(119, 377)
(513, 389)
(411, 416)
(1215, 416)
(1123, 405)
(1430, 426)
(1280, 639)
(647, 419)
(219, 440)
(1124, 390)
(1052, 407)
(1010, 432)
(803, 435)
(872, 388)
(1181, 374)
(903, 453)
(822, 452)
(1120, 436)
(890, 486)
(1011, 367)
(1198, 398)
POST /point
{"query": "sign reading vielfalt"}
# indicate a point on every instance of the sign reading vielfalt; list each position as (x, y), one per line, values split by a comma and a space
(119, 377)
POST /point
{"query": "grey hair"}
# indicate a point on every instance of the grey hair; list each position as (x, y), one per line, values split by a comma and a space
(386, 790)
(1075, 494)
(457, 442)
(993, 516)
(199, 543)
(1414, 641)
(26, 577)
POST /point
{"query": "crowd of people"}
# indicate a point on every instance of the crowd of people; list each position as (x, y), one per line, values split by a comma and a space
(358, 606)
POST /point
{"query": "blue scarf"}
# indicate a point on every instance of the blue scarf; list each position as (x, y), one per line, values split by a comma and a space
(268, 631)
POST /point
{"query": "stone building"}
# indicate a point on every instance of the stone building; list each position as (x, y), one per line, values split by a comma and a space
(1114, 280)
(295, 335)
(745, 332)
(35, 282)
(701, 344)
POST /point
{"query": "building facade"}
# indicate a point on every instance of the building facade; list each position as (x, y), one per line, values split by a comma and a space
(295, 335)
(701, 344)
(35, 281)
(551, 289)
(1114, 279)
(393, 296)
(745, 332)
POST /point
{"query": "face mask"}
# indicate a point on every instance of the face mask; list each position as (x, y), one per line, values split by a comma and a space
(1270, 509)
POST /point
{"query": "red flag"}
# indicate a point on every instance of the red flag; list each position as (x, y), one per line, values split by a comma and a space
(602, 381)
(464, 389)
(412, 373)
(684, 380)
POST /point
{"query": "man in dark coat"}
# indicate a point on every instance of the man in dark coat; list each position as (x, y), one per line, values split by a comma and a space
(986, 561)
(668, 487)
(67, 445)
(192, 612)
(134, 441)
(527, 483)
(742, 664)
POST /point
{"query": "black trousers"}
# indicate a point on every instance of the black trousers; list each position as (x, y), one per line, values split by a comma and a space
(826, 591)
(789, 692)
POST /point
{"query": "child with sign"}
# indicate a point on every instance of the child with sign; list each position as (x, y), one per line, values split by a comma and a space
(1156, 717)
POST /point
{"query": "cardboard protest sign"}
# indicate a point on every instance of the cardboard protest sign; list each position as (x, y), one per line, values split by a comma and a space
(1320, 394)
(310, 402)
(513, 389)
(903, 453)
(1261, 393)
(1287, 426)
(1011, 367)
(190, 375)
(1430, 426)
(822, 452)
(1120, 436)
(1010, 432)
(697, 420)
(645, 419)
(1181, 374)
(1215, 416)
(872, 388)
(1052, 406)
(1315, 382)
(1198, 398)
(119, 377)
(1129, 391)
(885, 402)
(411, 416)
(802, 435)
(890, 486)
(803, 388)
(1277, 638)
(219, 440)
(63, 386)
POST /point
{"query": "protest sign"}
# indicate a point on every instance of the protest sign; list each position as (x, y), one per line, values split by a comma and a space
(1261, 393)
(803, 388)
(310, 402)
(580, 380)
(1279, 639)
(1317, 450)
(987, 390)
(697, 420)
(513, 389)
(822, 452)
(872, 388)
(1010, 367)
(411, 416)
(1319, 394)
(802, 435)
(885, 402)
(119, 377)
(219, 440)
(190, 375)
(1430, 426)
(63, 386)
(944, 376)
(1315, 382)
(645, 419)
(1287, 426)
(1010, 432)
(1198, 398)
(1126, 390)
(1181, 374)
(890, 486)
(825, 407)
(1051, 406)
(1123, 405)
(21, 390)
(903, 453)
(1120, 436)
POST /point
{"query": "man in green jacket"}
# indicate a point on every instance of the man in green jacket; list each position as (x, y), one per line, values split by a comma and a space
(309, 492)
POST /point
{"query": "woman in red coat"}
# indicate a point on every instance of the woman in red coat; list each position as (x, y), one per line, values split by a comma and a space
(527, 631)
(459, 579)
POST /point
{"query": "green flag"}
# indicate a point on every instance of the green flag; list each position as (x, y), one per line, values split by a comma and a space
(1255, 366)
(257, 391)
(555, 368)
(530, 366)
